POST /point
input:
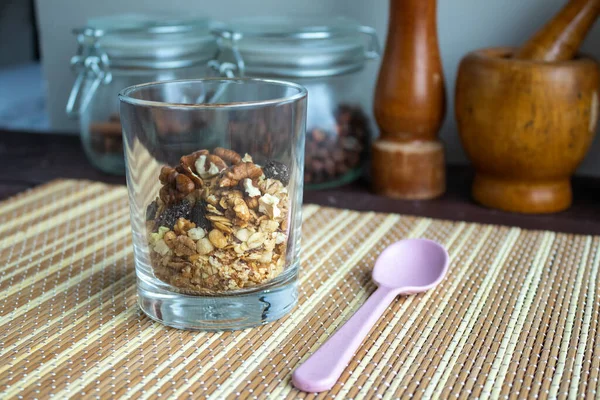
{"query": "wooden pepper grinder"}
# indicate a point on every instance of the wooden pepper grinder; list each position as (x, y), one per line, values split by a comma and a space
(408, 158)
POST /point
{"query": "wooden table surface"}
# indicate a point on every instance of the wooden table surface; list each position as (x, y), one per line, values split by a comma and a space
(28, 159)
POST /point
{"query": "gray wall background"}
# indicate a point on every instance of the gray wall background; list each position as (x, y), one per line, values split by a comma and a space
(463, 25)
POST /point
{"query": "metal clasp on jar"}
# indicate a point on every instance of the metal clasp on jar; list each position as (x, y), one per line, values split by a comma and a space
(373, 49)
(227, 42)
(90, 62)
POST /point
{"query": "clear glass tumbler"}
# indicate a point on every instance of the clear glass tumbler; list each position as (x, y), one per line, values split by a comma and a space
(215, 212)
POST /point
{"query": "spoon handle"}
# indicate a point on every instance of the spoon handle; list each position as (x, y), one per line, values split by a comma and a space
(322, 370)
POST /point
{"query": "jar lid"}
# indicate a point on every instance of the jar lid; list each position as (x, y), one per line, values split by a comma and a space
(136, 42)
(154, 42)
(301, 46)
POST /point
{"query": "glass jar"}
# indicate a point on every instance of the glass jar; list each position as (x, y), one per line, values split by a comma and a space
(215, 210)
(120, 51)
(328, 58)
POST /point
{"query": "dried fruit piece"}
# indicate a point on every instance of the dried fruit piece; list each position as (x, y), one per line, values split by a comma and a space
(151, 210)
(276, 170)
(173, 212)
(198, 216)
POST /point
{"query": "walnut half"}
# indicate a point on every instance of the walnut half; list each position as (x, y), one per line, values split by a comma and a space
(239, 172)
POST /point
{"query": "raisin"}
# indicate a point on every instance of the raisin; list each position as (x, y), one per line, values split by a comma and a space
(277, 170)
(198, 216)
(172, 213)
(151, 210)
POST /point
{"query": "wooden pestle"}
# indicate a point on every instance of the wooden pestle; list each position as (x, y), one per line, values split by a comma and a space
(561, 37)
(408, 158)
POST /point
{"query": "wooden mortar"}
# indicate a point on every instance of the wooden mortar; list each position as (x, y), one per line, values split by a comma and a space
(527, 116)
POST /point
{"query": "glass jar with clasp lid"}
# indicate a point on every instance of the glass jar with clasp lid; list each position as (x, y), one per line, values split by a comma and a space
(328, 56)
(120, 51)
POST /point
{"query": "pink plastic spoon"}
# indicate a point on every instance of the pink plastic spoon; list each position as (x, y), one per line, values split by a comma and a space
(406, 267)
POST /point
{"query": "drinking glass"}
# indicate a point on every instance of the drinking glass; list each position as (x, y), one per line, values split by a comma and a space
(214, 176)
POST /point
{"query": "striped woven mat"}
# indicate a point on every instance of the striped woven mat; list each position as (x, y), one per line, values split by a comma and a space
(517, 315)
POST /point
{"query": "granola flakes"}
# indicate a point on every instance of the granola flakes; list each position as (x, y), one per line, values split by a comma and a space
(219, 222)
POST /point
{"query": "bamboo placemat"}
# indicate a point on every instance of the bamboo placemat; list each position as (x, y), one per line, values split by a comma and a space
(517, 315)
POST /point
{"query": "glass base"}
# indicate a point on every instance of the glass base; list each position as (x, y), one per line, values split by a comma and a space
(217, 313)
(348, 177)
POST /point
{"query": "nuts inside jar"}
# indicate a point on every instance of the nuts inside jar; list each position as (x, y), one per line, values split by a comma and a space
(228, 231)
(331, 154)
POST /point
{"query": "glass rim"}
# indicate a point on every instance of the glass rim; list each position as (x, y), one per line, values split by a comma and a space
(124, 95)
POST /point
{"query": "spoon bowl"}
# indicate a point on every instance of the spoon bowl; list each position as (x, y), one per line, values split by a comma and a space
(411, 266)
(406, 267)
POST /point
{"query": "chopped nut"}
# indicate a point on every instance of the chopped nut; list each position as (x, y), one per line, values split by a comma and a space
(167, 175)
(156, 236)
(217, 238)
(214, 262)
(204, 246)
(170, 238)
(184, 246)
(227, 155)
(241, 210)
(189, 160)
(239, 172)
(280, 237)
(267, 205)
(187, 171)
(161, 247)
(266, 257)
(268, 225)
(178, 265)
(202, 169)
(182, 226)
(196, 233)
(273, 187)
(256, 240)
(217, 161)
(184, 184)
(250, 189)
(194, 257)
(243, 234)
(251, 202)
(247, 158)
